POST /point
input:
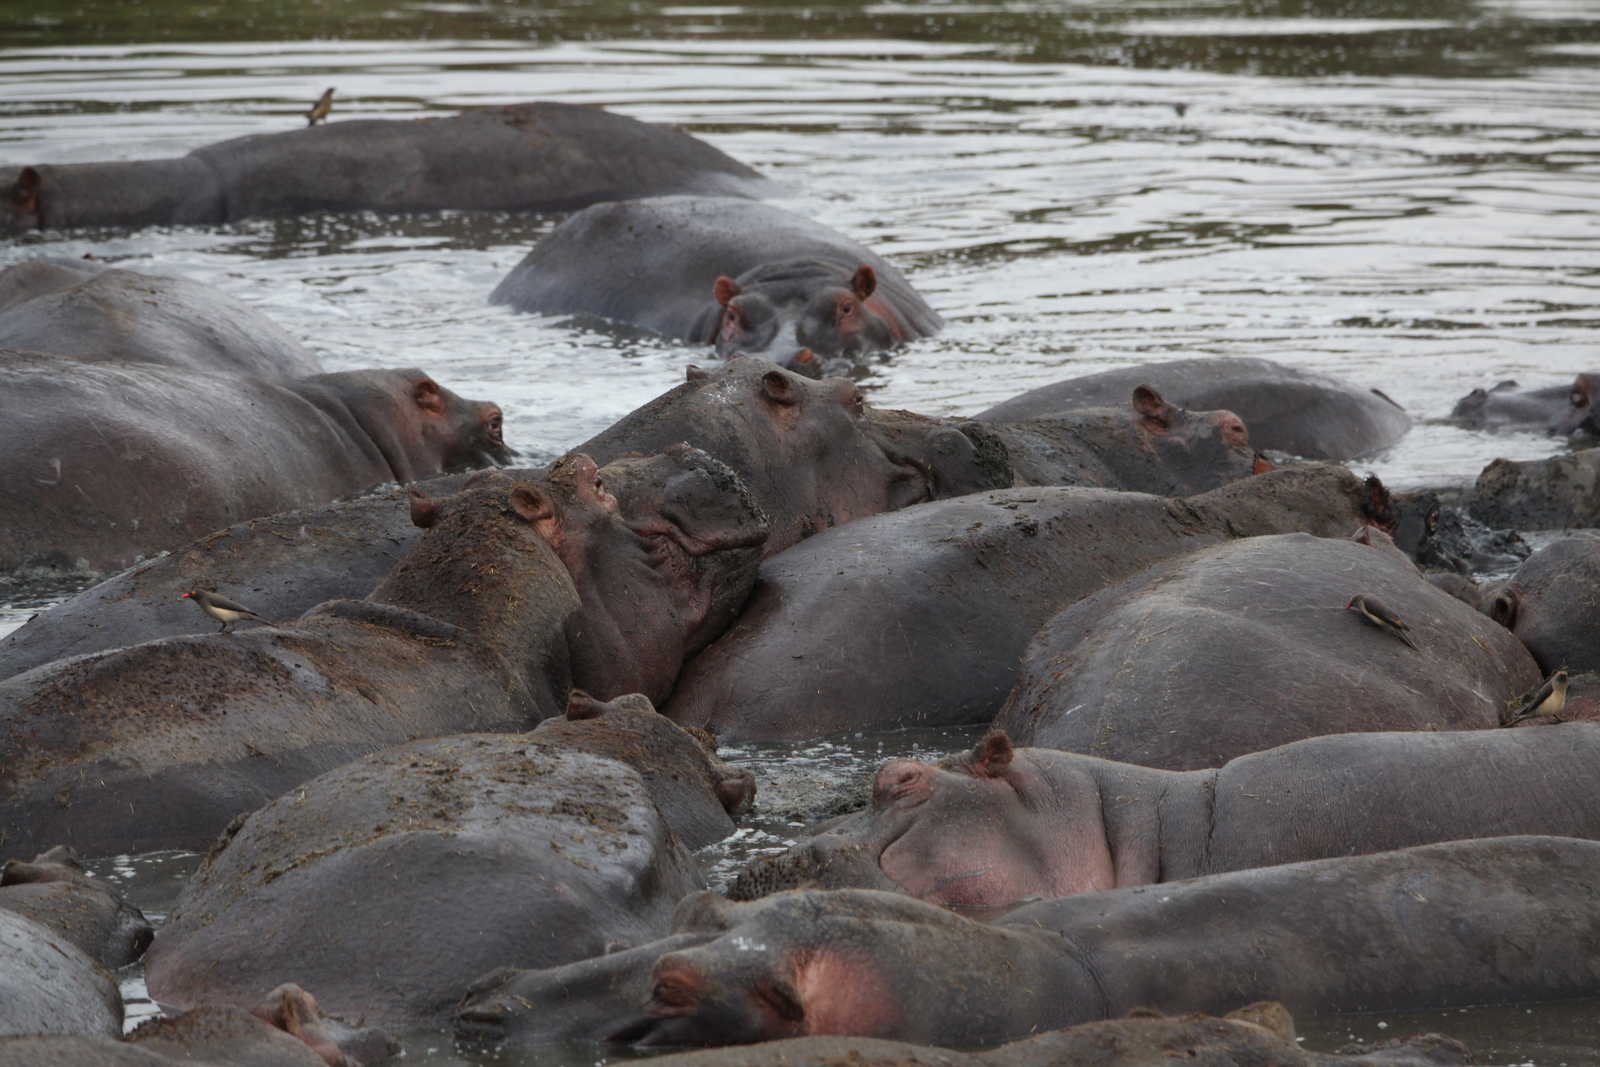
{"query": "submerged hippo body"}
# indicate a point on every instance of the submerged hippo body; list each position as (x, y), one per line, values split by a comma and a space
(1552, 604)
(510, 852)
(177, 454)
(1148, 446)
(997, 825)
(918, 618)
(1429, 927)
(50, 986)
(749, 278)
(1287, 409)
(53, 891)
(1249, 645)
(811, 452)
(515, 591)
(121, 315)
(1509, 407)
(517, 157)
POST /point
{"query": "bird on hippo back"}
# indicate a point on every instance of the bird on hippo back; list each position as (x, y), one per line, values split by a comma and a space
(515, 591)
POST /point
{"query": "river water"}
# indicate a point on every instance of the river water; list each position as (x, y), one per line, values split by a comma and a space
(1397, 192)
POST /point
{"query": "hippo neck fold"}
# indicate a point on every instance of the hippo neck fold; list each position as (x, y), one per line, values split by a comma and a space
(481, 569)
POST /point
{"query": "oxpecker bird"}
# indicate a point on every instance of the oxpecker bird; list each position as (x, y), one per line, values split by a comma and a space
(320, 109)
(1378, 614)
(222, 609)
(1548, 699)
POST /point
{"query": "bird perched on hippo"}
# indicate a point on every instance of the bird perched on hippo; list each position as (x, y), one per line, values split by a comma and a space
(515, 592)
(746, 278)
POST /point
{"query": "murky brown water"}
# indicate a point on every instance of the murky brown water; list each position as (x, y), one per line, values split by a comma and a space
(1398, 192)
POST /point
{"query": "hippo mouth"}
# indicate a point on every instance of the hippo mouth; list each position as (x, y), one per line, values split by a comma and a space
(828, 861)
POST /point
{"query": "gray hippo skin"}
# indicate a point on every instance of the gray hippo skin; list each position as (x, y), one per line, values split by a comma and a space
(1559, 493)
(50, 986)
(125, 316)
(749, 278)
(518, 157)
(177, 454)
(1257, 1034)
(53, 891)
(515, 591)
(389, 884)
(1508, 407)
(998, 826)
(1249, 645)
(812, 453)
(918, 618)
(1491, 921)
(1287, 409)
(1552, 604)
(1146, 446)
(284, 1030)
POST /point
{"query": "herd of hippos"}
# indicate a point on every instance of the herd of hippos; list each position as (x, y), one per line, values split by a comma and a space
(1258, 735)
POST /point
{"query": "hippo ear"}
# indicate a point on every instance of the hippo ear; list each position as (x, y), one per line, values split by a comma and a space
(25, 190)
(532, 504)
(726, 289)
(1148, 403)
(581, 706)
(733, 792)
(776, 388)
(424, 511)
(696, 374)
(426, 393)
(865, 283)
(1503, 610)
(783, 997)
(993, 755)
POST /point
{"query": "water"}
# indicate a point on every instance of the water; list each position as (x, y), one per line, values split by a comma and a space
(1396, 192)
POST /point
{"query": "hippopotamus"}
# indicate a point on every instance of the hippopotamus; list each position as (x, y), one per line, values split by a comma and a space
(1287, 409)
(48, 985)
(286, 1029)
(999, 825)
(1465, 923)
(1252, 644)
(515, 592)
(1260, 1033)
(1551, 604)
(1560, 410)
(747, 278)
(536, 157)
(1444, 536)
(389, 884)
(177, 454)
(1559, 493)
(141, 318)
(811, 452)
(1147, 446)
(54, 891)
(918, 617)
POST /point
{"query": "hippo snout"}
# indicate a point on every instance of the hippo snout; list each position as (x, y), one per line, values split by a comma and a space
(485, 1023)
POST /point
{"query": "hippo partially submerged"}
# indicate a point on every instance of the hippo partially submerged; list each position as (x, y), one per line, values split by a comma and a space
(1552, 604)
(53, 891)
(517, 157)
(996, 826)
(1245, 646)
(516, 591)
(1489, 921)
(918, 617)
(748, 278)
(88, 312)
(177, 454)
(1554, 409)
(1287, 409)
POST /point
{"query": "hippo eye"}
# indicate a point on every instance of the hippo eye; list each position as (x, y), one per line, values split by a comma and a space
(1578, 399)
(495, 423)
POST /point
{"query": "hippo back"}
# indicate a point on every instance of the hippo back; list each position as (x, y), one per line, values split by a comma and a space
(655, 263)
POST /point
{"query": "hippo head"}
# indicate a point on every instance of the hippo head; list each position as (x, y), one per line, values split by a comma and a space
(661, 566)
(19, 200)
(1579, 416)
(294, 1011)
(1548, 602)
(802, 313)
(420, 427)
(807, 450)
(55, 881)
(1179, 452)
(985, 829)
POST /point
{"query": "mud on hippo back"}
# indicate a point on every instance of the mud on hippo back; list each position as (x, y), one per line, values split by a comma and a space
(747, 278)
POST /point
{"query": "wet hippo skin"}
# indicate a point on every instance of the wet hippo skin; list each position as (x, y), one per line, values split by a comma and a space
(996, 826)
(53, 890)
(518, 157)
(1551, 604)
(50, 986)
(1428, 927)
